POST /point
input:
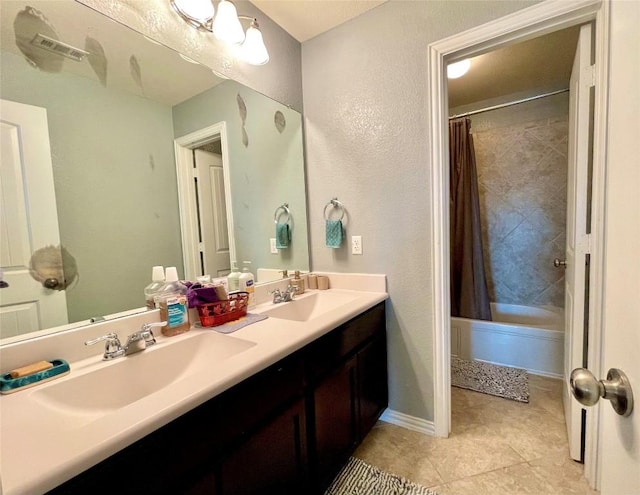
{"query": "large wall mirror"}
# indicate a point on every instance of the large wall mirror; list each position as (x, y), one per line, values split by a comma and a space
(114, 121)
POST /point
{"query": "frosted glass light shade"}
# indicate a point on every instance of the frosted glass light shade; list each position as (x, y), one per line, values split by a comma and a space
(458, 69)
(226, 26)
(253, 50)
(198, 11)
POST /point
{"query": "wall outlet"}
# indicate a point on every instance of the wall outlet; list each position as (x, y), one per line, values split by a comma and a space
(356, 244)
(272, 244)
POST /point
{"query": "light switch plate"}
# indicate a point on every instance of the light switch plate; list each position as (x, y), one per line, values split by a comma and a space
(272, 244)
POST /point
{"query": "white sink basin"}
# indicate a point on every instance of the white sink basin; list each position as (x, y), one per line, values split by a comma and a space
(125, 380)
(308, 307)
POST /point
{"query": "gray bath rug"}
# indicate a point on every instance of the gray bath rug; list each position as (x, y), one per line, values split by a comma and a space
(360, 478)
(501, 381)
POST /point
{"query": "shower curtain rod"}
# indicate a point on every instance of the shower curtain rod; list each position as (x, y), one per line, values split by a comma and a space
(502, 105)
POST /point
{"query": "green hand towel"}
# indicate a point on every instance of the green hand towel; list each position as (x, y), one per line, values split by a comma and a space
(283, 235)
(334, 233)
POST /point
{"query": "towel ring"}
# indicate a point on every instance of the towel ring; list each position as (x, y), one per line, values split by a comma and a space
(276, 214)
(334, 203)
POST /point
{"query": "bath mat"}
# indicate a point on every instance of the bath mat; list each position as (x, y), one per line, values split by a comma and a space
(359, 478)
(501, 381)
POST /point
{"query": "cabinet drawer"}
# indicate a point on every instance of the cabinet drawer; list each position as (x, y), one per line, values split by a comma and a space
(324, 354)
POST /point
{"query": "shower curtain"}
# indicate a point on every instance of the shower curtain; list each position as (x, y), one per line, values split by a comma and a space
(469, 294)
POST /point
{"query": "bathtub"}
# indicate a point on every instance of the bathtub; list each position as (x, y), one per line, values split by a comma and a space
(521, 336)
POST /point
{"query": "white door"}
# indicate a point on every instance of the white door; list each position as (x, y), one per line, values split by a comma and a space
(619, 437)
(577, 247)
(28, 220)
(214, 245)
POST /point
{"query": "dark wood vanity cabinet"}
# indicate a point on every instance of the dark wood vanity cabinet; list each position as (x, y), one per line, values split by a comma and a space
(347, 391)
(272, 461)
(286, 430)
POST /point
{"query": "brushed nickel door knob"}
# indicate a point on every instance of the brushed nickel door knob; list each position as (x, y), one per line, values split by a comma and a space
(558, 263)
(587, 389)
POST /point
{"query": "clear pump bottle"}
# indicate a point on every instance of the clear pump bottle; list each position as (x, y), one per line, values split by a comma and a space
(157, 281)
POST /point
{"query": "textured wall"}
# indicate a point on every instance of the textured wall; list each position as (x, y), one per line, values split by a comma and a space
(280, 79)
(521, 154)
(366, 128)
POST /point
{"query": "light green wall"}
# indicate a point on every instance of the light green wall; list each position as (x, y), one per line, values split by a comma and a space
(114, 174)
(264, 175)
(365, 89)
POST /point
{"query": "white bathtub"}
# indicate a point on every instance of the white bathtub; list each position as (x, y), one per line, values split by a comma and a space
(520, 336)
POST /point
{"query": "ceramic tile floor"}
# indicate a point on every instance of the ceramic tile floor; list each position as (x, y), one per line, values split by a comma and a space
(497, 446)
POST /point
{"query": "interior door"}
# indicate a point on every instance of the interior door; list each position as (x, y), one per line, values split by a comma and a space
(577, 247)
(619, 437)
(28, 220)
(214, 246)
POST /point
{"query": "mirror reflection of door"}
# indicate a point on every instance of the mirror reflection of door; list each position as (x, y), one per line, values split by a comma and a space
(212, 213)
(28, 221)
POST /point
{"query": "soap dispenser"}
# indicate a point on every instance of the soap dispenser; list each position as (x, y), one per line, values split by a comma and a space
(233, 279)
(298, 283)
(246, 281)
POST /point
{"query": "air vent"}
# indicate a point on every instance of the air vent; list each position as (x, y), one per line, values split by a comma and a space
(59, 47)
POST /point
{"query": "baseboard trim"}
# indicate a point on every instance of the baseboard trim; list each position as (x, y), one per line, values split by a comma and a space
(409, 422)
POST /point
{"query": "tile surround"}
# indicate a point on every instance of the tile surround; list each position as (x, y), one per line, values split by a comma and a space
(497, 447)
(522, 176)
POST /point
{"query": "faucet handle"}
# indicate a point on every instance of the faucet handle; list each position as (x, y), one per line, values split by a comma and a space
(146, 332)
(277, 295)
(112, 346)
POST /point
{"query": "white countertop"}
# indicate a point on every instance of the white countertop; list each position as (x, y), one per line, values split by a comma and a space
(41, 449)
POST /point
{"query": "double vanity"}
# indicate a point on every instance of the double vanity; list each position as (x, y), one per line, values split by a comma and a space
(274, 407)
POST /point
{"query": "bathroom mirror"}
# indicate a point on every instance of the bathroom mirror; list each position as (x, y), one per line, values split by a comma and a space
(112, 120)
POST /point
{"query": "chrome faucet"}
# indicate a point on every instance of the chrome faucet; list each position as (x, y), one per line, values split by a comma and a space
(286, 296)
(136, 342)
(112, 346)
(144, 336)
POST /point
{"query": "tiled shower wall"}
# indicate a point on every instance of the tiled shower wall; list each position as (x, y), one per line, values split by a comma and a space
(521, 154)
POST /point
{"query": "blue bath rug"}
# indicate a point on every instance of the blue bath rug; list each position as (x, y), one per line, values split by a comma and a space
(359, 478)
(486, 378)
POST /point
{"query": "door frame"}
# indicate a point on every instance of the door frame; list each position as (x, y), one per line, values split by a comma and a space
(538, 20)
(183, 147)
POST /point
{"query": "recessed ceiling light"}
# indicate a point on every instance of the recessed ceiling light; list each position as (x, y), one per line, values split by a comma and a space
(458, 69)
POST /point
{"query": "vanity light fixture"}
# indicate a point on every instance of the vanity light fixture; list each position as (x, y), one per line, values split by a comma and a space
(225, 26)
(458, 69)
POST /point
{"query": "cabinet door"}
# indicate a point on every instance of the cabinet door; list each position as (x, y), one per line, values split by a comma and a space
(272, 461)
(372, 383)
(335, 421)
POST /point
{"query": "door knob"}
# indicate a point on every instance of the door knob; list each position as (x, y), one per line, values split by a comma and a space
(558, 263)
(51, 283)
(616, 388)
